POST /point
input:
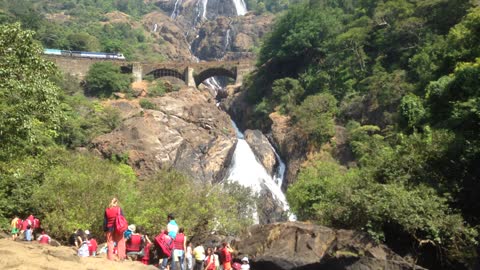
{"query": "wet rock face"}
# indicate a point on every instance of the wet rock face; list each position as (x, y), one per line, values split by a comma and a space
(230, 38)
(186, 131)
(262, 149)
(296, 245)
(290, 143)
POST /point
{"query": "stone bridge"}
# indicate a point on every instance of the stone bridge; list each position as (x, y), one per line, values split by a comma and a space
(191, 73)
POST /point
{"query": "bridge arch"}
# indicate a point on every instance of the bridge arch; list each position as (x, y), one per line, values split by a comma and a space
(213, 72)
(166, 72)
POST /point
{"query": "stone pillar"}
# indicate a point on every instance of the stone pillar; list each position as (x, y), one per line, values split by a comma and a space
(189, 80)
(137, 72)
(242, 71)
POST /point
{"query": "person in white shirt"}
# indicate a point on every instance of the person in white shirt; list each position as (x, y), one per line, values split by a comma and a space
(245, 264)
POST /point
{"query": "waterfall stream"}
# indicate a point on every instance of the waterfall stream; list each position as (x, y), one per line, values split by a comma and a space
(240, 6)
(245, 168)
(176, 9)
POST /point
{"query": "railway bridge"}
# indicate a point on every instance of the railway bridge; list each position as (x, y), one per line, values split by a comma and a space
(192, 73)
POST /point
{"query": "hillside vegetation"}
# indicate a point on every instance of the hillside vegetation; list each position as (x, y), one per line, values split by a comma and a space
(403, 78)
(46, 126)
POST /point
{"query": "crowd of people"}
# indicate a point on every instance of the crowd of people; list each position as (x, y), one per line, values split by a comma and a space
(28, 229)
(170, 249)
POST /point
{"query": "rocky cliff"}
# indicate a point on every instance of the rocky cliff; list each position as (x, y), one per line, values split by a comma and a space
(297, 245)
(186, 131)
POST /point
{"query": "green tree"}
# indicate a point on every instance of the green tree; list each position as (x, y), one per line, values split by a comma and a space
(83, 42)
(76, 191)
(287, 94)
(316, 117)
(104, 78)
(29, 104)
(226, 209)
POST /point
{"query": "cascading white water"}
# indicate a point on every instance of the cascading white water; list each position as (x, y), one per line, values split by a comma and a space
(204, 4)
(227, 40)
(248, 172)
(245, 168)
(240, 6)
(176, 9)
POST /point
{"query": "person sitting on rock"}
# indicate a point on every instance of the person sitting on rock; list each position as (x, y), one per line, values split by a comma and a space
(44, 238)
(92, 245)
(83, 247)
(29, 233)
(245, 264)
(134, 242)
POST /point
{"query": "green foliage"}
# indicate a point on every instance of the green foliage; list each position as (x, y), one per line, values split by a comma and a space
(412, 110)
(83, 42)
(29, 104)
(76, 191)
(287, 93)
(147, 104)
(199, 208)
(315, 117)
(337, 197)
(157, 89)
(104, 78)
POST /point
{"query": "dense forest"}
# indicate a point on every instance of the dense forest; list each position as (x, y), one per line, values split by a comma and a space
(403, 78)
(400, 79)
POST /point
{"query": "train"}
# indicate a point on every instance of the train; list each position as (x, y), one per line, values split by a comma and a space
(101, 55)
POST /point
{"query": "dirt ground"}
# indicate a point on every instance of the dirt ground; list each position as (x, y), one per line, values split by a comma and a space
(33, 256)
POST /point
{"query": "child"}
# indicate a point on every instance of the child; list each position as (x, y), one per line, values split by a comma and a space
(28, 233)
(44, 238)
(83, 246)
(92, 245)
(14, 227)
(245, 265)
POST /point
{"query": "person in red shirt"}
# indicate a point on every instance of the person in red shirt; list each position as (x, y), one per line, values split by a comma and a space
(109, 227)
(44, 238)
(226, 254)
(92, 245)
(134, 242)
(209, 261)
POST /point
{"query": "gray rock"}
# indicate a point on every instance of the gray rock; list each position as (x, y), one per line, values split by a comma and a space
(297, 245)
(262, 149)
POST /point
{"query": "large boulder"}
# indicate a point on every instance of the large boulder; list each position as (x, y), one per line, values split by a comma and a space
(186, 131)
(297, 245)
(262, 149)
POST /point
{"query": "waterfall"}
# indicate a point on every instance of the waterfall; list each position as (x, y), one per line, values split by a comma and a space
(240, 6)
(176, 10)
(204, 4)
(248, 172)
(227, 41)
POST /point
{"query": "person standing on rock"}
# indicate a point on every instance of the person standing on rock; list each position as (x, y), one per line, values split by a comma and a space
(226, 255)
(179, 246)
(14, 226)
(172, 227)
(189, 256)
(199, 255)
(111, 235)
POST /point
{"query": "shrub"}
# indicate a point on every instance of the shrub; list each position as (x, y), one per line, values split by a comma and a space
(147, 104)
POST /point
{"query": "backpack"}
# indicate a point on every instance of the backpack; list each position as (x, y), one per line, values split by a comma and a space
(165, 243)
(121, 223)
